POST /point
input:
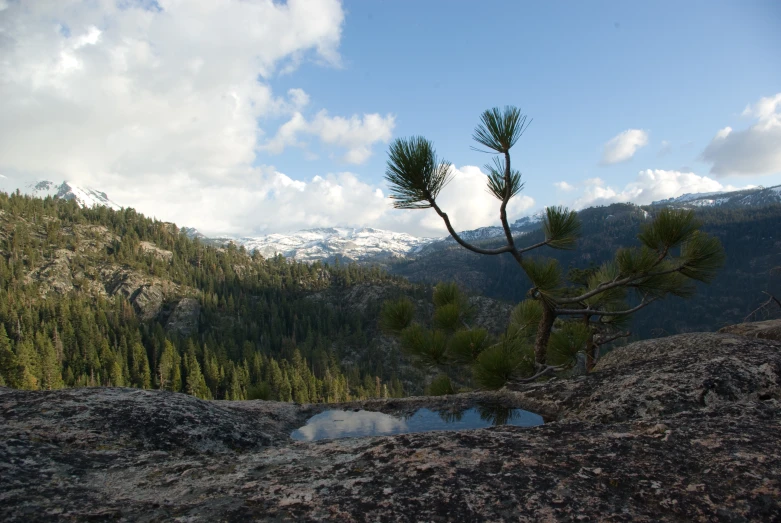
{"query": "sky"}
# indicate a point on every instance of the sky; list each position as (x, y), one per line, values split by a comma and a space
(248, 117)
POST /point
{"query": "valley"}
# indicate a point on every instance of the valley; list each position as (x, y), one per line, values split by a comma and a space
(96, 296)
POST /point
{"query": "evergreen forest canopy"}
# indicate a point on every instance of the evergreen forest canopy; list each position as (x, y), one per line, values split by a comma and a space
(259, 336)
(750, 236)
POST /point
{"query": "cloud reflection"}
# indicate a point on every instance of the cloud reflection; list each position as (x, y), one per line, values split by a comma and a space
(344, 424)
(333, 424)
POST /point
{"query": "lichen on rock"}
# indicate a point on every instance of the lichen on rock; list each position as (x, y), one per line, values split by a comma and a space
(685, 428)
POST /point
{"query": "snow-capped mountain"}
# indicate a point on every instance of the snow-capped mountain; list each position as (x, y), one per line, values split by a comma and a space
(363, 245)
(744, 198)
(360, 245)
(84, 196)
(519, 227)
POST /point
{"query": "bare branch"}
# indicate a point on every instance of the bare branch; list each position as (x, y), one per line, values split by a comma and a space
(594, 312)
(547, 370)
(622, 334)
(771, 299)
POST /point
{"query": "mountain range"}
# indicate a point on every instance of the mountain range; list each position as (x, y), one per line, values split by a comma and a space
(376, 246)
(743, 198)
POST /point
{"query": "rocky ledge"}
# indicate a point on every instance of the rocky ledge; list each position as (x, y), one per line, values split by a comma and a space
(685, 428)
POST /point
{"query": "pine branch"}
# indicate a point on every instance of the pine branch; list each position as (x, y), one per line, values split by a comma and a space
(602, 287)
(507, 248)
(595, 312)
(507, 195)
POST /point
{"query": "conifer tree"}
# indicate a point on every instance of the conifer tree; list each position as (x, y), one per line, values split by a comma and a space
(560, 318)
(139, 368)
(27, 367)
(168, 371)
(8, 364)
(50, 370)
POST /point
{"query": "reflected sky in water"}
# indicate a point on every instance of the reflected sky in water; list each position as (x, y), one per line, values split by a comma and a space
(333, 424)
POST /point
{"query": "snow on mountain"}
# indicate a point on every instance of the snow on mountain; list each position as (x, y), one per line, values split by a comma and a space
(360, 245)
(530, 222)
(744, 198)
(84, 196)
(366, 244)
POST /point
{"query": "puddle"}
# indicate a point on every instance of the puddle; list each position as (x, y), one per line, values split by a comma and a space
(334, 424)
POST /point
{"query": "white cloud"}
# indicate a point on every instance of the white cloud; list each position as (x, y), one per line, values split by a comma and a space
(752, 151)
(564, 186)
(270, 201)
(623, 146)
(649, 185)
(298, 98)
(120, 97)
(356, 134)
(468, 204)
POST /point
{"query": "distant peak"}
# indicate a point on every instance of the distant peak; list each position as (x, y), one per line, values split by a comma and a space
(84, 196)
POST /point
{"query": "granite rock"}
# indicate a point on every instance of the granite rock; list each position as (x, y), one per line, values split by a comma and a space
(769, 329)
(685, 428)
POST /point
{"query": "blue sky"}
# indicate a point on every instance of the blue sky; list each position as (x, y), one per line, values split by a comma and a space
(670, 76)
(584, 71)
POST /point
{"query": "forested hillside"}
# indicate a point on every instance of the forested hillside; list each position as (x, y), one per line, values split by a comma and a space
(92, 297)
(751, 237)
(96, 297)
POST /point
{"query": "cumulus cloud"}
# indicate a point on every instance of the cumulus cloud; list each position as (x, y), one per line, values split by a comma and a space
(622, 147)
(752, 151)
(564, 186)
(117, 89)
(355, 134)
(270, 201)
(648, 186)
(479, 209)
(158, 104)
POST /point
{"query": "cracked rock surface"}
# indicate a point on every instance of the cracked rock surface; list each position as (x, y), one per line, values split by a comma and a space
(685, 428)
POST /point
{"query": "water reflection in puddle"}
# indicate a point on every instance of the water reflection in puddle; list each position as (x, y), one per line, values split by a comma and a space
(333, 424)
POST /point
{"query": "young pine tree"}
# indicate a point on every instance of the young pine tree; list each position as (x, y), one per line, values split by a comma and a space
(560, 318)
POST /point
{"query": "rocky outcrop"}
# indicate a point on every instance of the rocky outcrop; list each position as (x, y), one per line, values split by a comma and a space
(685, 428)
(769, 330)
(157, 252)
(147, 294)
(492, 315)
(185, 316)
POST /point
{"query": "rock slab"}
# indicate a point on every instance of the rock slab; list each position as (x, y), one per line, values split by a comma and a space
(685, 428)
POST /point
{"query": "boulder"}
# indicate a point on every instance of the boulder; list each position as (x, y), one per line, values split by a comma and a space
(769, 330)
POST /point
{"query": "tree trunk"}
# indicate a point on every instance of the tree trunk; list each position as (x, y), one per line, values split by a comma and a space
(543, 335)
(590, 345)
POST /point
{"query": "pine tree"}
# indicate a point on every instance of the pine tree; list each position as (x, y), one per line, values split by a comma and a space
(8, 363)
(562, 318)
(50, 369)
(27, 367)
(167, 367)
(139, 367)
(195, 384)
